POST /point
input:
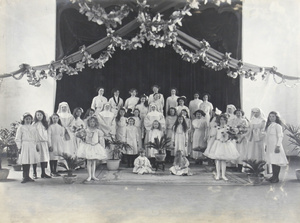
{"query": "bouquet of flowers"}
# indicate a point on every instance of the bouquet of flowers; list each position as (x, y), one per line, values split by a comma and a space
(80, 133)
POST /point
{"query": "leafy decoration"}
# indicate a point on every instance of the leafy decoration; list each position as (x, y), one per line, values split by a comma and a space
(159, 144)
(254, 167)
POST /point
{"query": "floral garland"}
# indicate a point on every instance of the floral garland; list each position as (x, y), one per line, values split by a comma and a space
(157, 31)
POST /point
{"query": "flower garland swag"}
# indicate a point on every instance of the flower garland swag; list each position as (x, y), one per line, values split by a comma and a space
(158, 32)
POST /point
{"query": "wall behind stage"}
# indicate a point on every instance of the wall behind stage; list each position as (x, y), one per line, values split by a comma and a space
(28, 36)
(271, 37)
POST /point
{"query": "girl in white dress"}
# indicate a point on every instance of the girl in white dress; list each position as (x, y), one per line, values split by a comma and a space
(107, 122)
(131, 102)
(26, 139)
(256, 136)
(132, 138)
(222, 149)
(181, 165)
(143, 107)
(194, 105)
(41, 125)
(121, 125)
(142, 164)
(139, 126)
(157, 102)
(79, 123)
(115, 101)
(155, 132)
(207, 107)
(184, 114)
(170, 121)
(199, 134)
(230, 109)
(181, 100)
(92, 148)
(275, 154)
(89, 113)
(155, 89)
(99, 101)
(67, 121)
(55, 141)
(171, 100)
(180, 135)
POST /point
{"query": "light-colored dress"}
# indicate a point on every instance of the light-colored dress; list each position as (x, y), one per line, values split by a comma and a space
(180, 138)
(222, 148)
(116, 104)
(131, 102)
(161, 99)
(98, 103)
(171, 102)
(207, 107)
(194, 106)
(170, 121)
(150, 118)
(274, 138)
(107, 123)
(70, 144)
(181, 169)
(140, 128)
(200, 129)
(143, 110)
(121, 129)
(256, 138)
(142, 165)
(42, 142)
(159, 106)
(92, 149)
(79, 123)
(132, 138)
(26, 140)
(55, 140)
(154, 133)
(179, 109)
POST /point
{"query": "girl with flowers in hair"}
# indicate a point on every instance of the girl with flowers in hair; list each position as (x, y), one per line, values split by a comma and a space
(275, 154)
(26, 142)
(93, 147)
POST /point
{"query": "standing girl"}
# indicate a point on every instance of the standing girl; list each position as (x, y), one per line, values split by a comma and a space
(139, 126)
(172, 100)
(99, 101)
(26, 143)
(142, 106)
(132, 138)
(207, 107)
(55, 141)
(194, 105)
(184, 114)
(121, 125)
(222, 149)
(170, 121)
(155, 132)
(199, 134)
(275, 154)
(180, 135)
(79, 123)
(41, 125)
(89, 113)
(131, 102)
(91, 149)
(230, 109)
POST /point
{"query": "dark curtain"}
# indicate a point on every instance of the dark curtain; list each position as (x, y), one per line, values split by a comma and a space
(145, 67)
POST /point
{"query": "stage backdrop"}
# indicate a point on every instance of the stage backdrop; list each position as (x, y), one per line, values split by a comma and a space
(148, 66)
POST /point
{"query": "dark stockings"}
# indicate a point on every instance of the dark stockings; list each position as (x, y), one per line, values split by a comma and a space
(53, 165)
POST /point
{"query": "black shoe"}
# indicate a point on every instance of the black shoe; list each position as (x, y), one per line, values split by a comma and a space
(30, 180)
(35, 176)
(269, 179)
(24, 181)
(45, 176)
(274, 181)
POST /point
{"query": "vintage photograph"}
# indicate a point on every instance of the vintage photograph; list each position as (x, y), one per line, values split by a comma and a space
(137, 111)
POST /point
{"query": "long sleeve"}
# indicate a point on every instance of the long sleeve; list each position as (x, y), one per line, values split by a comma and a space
(49, 136)
(93, 105)
(173, 135)
(279, 135)
(18, 138)
(126, 104)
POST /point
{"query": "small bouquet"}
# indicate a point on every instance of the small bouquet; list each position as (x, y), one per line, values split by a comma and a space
(80, 133)
(232, 133)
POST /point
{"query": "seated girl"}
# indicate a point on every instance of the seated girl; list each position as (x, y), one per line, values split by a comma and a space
(142, 164)
(181, 165)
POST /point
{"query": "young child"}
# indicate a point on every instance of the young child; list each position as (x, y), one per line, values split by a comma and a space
(91, 149)
(222, 149)
(121, 125)
(170, 121)
(26, 143)
(155, 132)
(41, 125)
(142, 164)
(55, 141)
(185, 115)
(89, 113)
(275, 154)
(180, 135)
(139, 125)
(181, 165)
(79, 123)
(132, 138)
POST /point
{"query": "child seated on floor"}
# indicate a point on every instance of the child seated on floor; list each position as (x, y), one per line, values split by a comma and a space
(180, 165)
(142, 164)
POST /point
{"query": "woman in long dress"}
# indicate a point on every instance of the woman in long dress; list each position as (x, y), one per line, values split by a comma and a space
(171, 100)
(194, 105)
(99, 101)
(67, 121)
(121, 125)
(170, 121)
(155, 89)
(132, 101)
(207, 107)
(107, 122)
(115, 101)
(256, 136)
(275, 154)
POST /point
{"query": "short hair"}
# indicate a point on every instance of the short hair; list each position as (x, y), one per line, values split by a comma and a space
(208, 95)
(96, 121)
(169, 111)
(199, 111)
(155, 85)
(133, 89)
(239, 110)
(142, 151)
(25, 116)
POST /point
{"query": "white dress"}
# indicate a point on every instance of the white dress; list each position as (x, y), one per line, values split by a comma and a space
(26, 139)
(150, 118)
(132, 138)
(222, 148)
(154, 133)
(98, 103)
(161, 99)
(170, 121)
(199, 132)
(179, 109)
(116, 104)
(107, 123)
(55, 140)
(171, 102)
(207, 107)
(121, 129)
(181, 169)
(274, 138)
(142, 165)
(140, 128)
(42, 142)
(92, 149)
(131, 102)
(194, 106)
(180, 138)
(70, 144)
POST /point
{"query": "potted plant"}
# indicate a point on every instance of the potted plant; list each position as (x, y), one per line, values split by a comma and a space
(160, 145)
(294, 139)
(255, 170)
(71, 163)
(116, 150)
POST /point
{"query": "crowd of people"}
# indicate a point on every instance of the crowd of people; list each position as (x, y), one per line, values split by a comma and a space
(196, 130)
